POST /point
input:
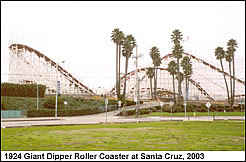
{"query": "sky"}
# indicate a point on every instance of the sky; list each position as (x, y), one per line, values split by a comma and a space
(79, 32)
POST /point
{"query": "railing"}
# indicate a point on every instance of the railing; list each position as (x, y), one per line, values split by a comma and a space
(13, 113)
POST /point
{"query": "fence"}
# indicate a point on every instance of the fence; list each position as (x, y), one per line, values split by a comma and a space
(13, 113)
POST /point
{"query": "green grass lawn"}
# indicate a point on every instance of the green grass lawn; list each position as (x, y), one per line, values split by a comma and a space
(197, 114)
(150, 136)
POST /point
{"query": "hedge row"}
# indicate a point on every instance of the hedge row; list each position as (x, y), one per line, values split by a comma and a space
(22, 90)
(61, 112)
(133, 112)
(68, 112)
(198, 108)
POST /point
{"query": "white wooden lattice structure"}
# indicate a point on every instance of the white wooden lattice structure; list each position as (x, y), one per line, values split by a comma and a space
(27, 65)
(206, 82)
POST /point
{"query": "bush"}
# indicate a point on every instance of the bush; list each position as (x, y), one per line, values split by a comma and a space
(214, 107)
(158, 107)
(220, 109)
(154, 109)
(60, 112)
(142, 111)
(51, 102)
(191, 108)
(166, 109)
(129, 103)
(112, 102)
(3, 105)
(131, 112)
(22, 90)
(202, 109)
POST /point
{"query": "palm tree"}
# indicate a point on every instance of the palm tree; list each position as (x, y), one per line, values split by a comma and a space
(229, 59)
(232, 45)
(177, 52)
(187, 69)
(115, 39)
(150, 73)
(118, 38)
(220, 54)
(128, 45)
(181, 77)
(172, 69)
(121, 41)
(155, 55)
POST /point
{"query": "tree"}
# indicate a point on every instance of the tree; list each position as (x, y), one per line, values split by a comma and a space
(172, 69)
(232, 45)
(220, 54)
(156, 59)
(229, 59)
(150, 73)
(181, 78)
(177, 52)
(118, 38)
(115, 39)
(121, 41)
(128, 45)
(187, 69)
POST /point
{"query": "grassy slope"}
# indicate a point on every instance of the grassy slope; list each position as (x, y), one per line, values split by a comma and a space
(25, 103)
(169, 136)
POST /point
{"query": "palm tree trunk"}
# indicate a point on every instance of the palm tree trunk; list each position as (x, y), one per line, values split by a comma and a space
(179, 83)
(225, 83)
(156, 83)
(233, 66)
(174, 90)
(119, 80)
(124, 92)
(231, 105)
(151, 88)
(116, 86)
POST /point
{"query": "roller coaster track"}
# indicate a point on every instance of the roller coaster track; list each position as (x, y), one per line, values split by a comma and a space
(207, 64)
(68, 75)
(203, 91)
(198, 86)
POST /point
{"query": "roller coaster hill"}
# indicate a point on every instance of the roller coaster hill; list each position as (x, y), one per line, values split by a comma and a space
(27, 65)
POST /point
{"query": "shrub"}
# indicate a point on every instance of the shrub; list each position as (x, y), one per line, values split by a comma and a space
(166, 109)
(202, 109)
(51, 102)
(131, 112)
(154, 109)
(22, 90)
(129, 103)
(142, 111)
(190, 108)
(3, 105)
(112, 102)
(158, 107)
(220, 109)
(214, 107)
(60, 112)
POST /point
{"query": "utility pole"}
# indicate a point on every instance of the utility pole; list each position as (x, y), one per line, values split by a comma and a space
(37, 96)
(137, 96)
(57, 87)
